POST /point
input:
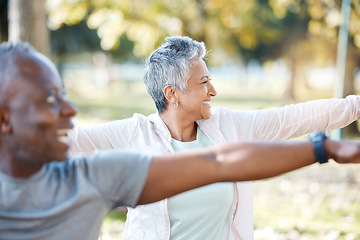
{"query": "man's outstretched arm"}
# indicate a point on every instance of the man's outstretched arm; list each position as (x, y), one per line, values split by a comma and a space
(175, 173)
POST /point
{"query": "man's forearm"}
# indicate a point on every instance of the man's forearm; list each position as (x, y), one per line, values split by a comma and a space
(175, 173)
(254, 161)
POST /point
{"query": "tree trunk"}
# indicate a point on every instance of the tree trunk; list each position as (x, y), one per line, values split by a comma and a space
(3, 20)
(27, 22)
(349, 86)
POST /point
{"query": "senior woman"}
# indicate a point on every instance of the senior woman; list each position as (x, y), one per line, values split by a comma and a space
(178, 80)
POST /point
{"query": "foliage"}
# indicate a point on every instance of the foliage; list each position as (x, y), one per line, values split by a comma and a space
(252, 28)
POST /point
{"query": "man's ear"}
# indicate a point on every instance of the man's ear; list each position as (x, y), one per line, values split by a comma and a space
(5, 126)
(170, 94)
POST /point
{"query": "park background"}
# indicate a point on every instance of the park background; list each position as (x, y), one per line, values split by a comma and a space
(263, 53)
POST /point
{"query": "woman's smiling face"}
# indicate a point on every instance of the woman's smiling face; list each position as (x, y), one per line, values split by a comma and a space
(195, 101)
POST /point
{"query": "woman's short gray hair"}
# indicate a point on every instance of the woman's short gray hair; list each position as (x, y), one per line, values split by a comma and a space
(170, 65)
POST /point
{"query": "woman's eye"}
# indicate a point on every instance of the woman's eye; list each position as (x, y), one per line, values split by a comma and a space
(51, 99)
(207, 80)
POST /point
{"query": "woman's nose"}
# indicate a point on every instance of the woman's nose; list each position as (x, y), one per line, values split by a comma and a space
(212, 90)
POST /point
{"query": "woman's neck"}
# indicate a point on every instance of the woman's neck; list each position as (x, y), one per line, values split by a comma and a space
(180, 129)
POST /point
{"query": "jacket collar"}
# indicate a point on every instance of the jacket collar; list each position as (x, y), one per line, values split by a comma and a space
(209, 126)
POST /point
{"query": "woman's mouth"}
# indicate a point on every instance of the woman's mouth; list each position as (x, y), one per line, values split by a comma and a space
(207, 103)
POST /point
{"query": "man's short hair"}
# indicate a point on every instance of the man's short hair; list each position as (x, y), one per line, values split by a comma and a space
(8, 53)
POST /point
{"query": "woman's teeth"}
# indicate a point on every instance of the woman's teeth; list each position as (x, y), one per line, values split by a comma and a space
(207, 103)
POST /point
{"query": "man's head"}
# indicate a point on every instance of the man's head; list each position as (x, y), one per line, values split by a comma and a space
(34, 114)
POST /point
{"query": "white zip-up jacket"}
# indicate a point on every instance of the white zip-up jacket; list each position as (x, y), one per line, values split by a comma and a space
(150, 135)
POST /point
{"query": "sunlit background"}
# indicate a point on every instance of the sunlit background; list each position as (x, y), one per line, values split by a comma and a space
(261, 54)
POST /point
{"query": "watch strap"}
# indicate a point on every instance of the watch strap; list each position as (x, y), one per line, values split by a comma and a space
(317, 139)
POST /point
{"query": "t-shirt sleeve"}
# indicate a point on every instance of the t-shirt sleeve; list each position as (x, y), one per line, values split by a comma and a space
(119, 175)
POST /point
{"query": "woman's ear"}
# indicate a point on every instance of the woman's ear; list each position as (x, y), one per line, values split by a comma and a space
(170, 94)
(5, 126)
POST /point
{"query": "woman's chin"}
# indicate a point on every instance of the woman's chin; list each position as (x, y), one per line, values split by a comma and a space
(206, 116)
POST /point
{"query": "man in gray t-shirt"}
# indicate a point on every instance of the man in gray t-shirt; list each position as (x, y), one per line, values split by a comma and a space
(69, 200)
(44, 195)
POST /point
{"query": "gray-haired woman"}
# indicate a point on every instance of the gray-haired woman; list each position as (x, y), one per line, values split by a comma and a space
(178, 80)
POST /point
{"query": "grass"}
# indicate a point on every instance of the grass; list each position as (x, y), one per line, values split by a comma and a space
(313, 202)
(319, 202)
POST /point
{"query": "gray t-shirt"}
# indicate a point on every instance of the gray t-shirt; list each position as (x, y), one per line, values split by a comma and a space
(69, 200)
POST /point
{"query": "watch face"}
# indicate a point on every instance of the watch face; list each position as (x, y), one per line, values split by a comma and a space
(317, 135)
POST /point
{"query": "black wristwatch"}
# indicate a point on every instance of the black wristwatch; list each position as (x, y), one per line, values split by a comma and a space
(317, 138)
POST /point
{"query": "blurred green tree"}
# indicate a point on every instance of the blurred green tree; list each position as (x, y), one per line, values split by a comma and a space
(261, 29)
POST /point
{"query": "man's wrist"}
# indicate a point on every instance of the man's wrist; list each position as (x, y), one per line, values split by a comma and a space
(317, 138)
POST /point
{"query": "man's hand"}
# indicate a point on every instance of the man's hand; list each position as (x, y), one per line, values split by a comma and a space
(343, 152)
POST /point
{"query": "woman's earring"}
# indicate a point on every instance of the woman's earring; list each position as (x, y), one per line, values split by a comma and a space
(176, 105)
